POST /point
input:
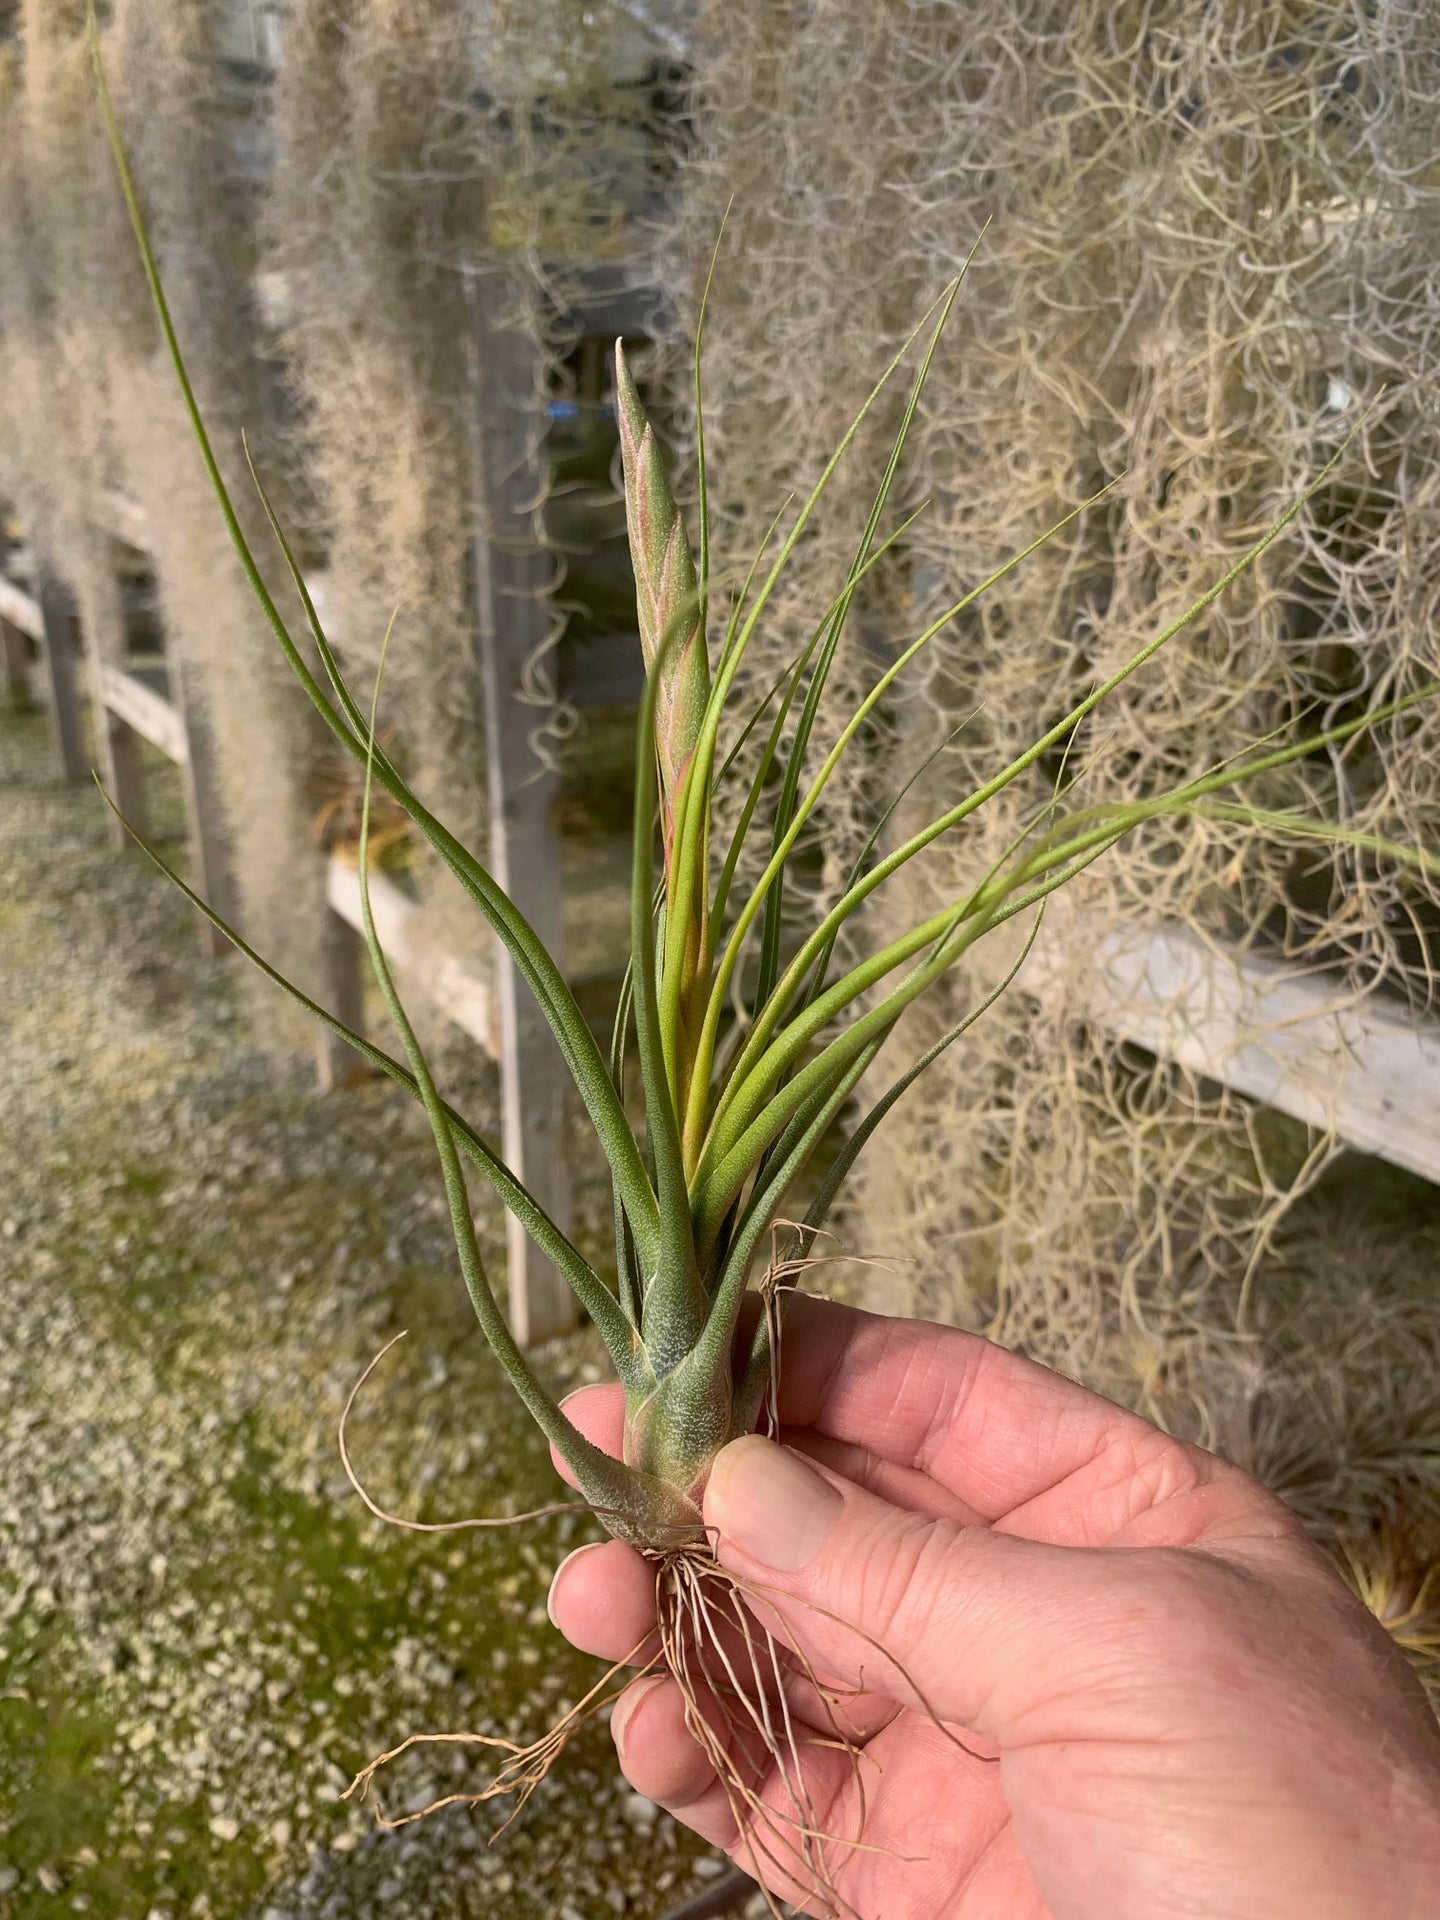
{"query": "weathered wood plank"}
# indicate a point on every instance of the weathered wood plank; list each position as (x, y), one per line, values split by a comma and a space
(337, 1063)
(125, 518)
(124, 776)
(512, 622)
(130, 708)
(61, 655)
(411, 945)
(21, 610)
(16, 649)
(211, 866)
(1304, 1045)
(152, 717)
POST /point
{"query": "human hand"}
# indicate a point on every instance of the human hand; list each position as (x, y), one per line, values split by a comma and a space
(1175, 1708)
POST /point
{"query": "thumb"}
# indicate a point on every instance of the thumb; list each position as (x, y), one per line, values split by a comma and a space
(980, 1628)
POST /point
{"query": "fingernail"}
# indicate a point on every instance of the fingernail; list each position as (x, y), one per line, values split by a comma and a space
(634, 1697)
(767, 1502)
(559, 1575)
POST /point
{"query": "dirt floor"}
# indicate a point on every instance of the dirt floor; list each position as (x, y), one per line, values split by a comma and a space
(202, 1632)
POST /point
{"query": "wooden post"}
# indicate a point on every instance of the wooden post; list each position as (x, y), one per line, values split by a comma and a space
(117, 743)
(15, 644)
(512, 622)
(60, 650)
(210, 866)
(337, 1063)
(17, 666)
(51, 623)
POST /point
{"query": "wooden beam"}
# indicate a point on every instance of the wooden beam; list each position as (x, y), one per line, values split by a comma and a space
(123, 518)
(1337, 1061)
(21, 610)
(152, 717)
(411, 944)
(512, 622)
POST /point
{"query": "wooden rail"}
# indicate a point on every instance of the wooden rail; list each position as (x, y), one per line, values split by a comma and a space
(147, 712)
(124, 518)
(407, 934)
(1356, 1065)
(19, 609)
(125, 711)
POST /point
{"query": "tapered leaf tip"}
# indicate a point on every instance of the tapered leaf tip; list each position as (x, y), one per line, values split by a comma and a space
(632, 421)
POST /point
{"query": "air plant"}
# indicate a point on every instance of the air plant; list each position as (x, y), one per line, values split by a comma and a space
(339, 791)
(1394, 1569)
(734, 1109)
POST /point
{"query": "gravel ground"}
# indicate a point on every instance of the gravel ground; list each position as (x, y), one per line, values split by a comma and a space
(202, 1633)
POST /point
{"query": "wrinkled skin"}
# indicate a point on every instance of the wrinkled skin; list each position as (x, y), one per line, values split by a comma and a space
(1174, 1707)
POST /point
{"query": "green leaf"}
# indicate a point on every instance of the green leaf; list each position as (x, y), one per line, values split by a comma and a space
(714, 1347)
(768, 1017)
(672, 1293)
(795, 974)
(785, 811)
(631, 1504)
(757, 1369)
(839, 1169)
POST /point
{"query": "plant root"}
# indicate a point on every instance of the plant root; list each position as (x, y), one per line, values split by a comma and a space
(432, 1526)
(739, 1681)
(740, 1684)
(524, 1768)
(754, 1706)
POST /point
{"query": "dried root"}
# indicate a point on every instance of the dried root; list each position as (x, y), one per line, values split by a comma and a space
(524, 1767)
(429, 1526)
(754, 1707)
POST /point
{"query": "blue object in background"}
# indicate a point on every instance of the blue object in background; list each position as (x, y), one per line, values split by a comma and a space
(572, 410)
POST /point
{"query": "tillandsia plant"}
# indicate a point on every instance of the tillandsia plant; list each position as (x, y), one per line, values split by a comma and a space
(734, 1109)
